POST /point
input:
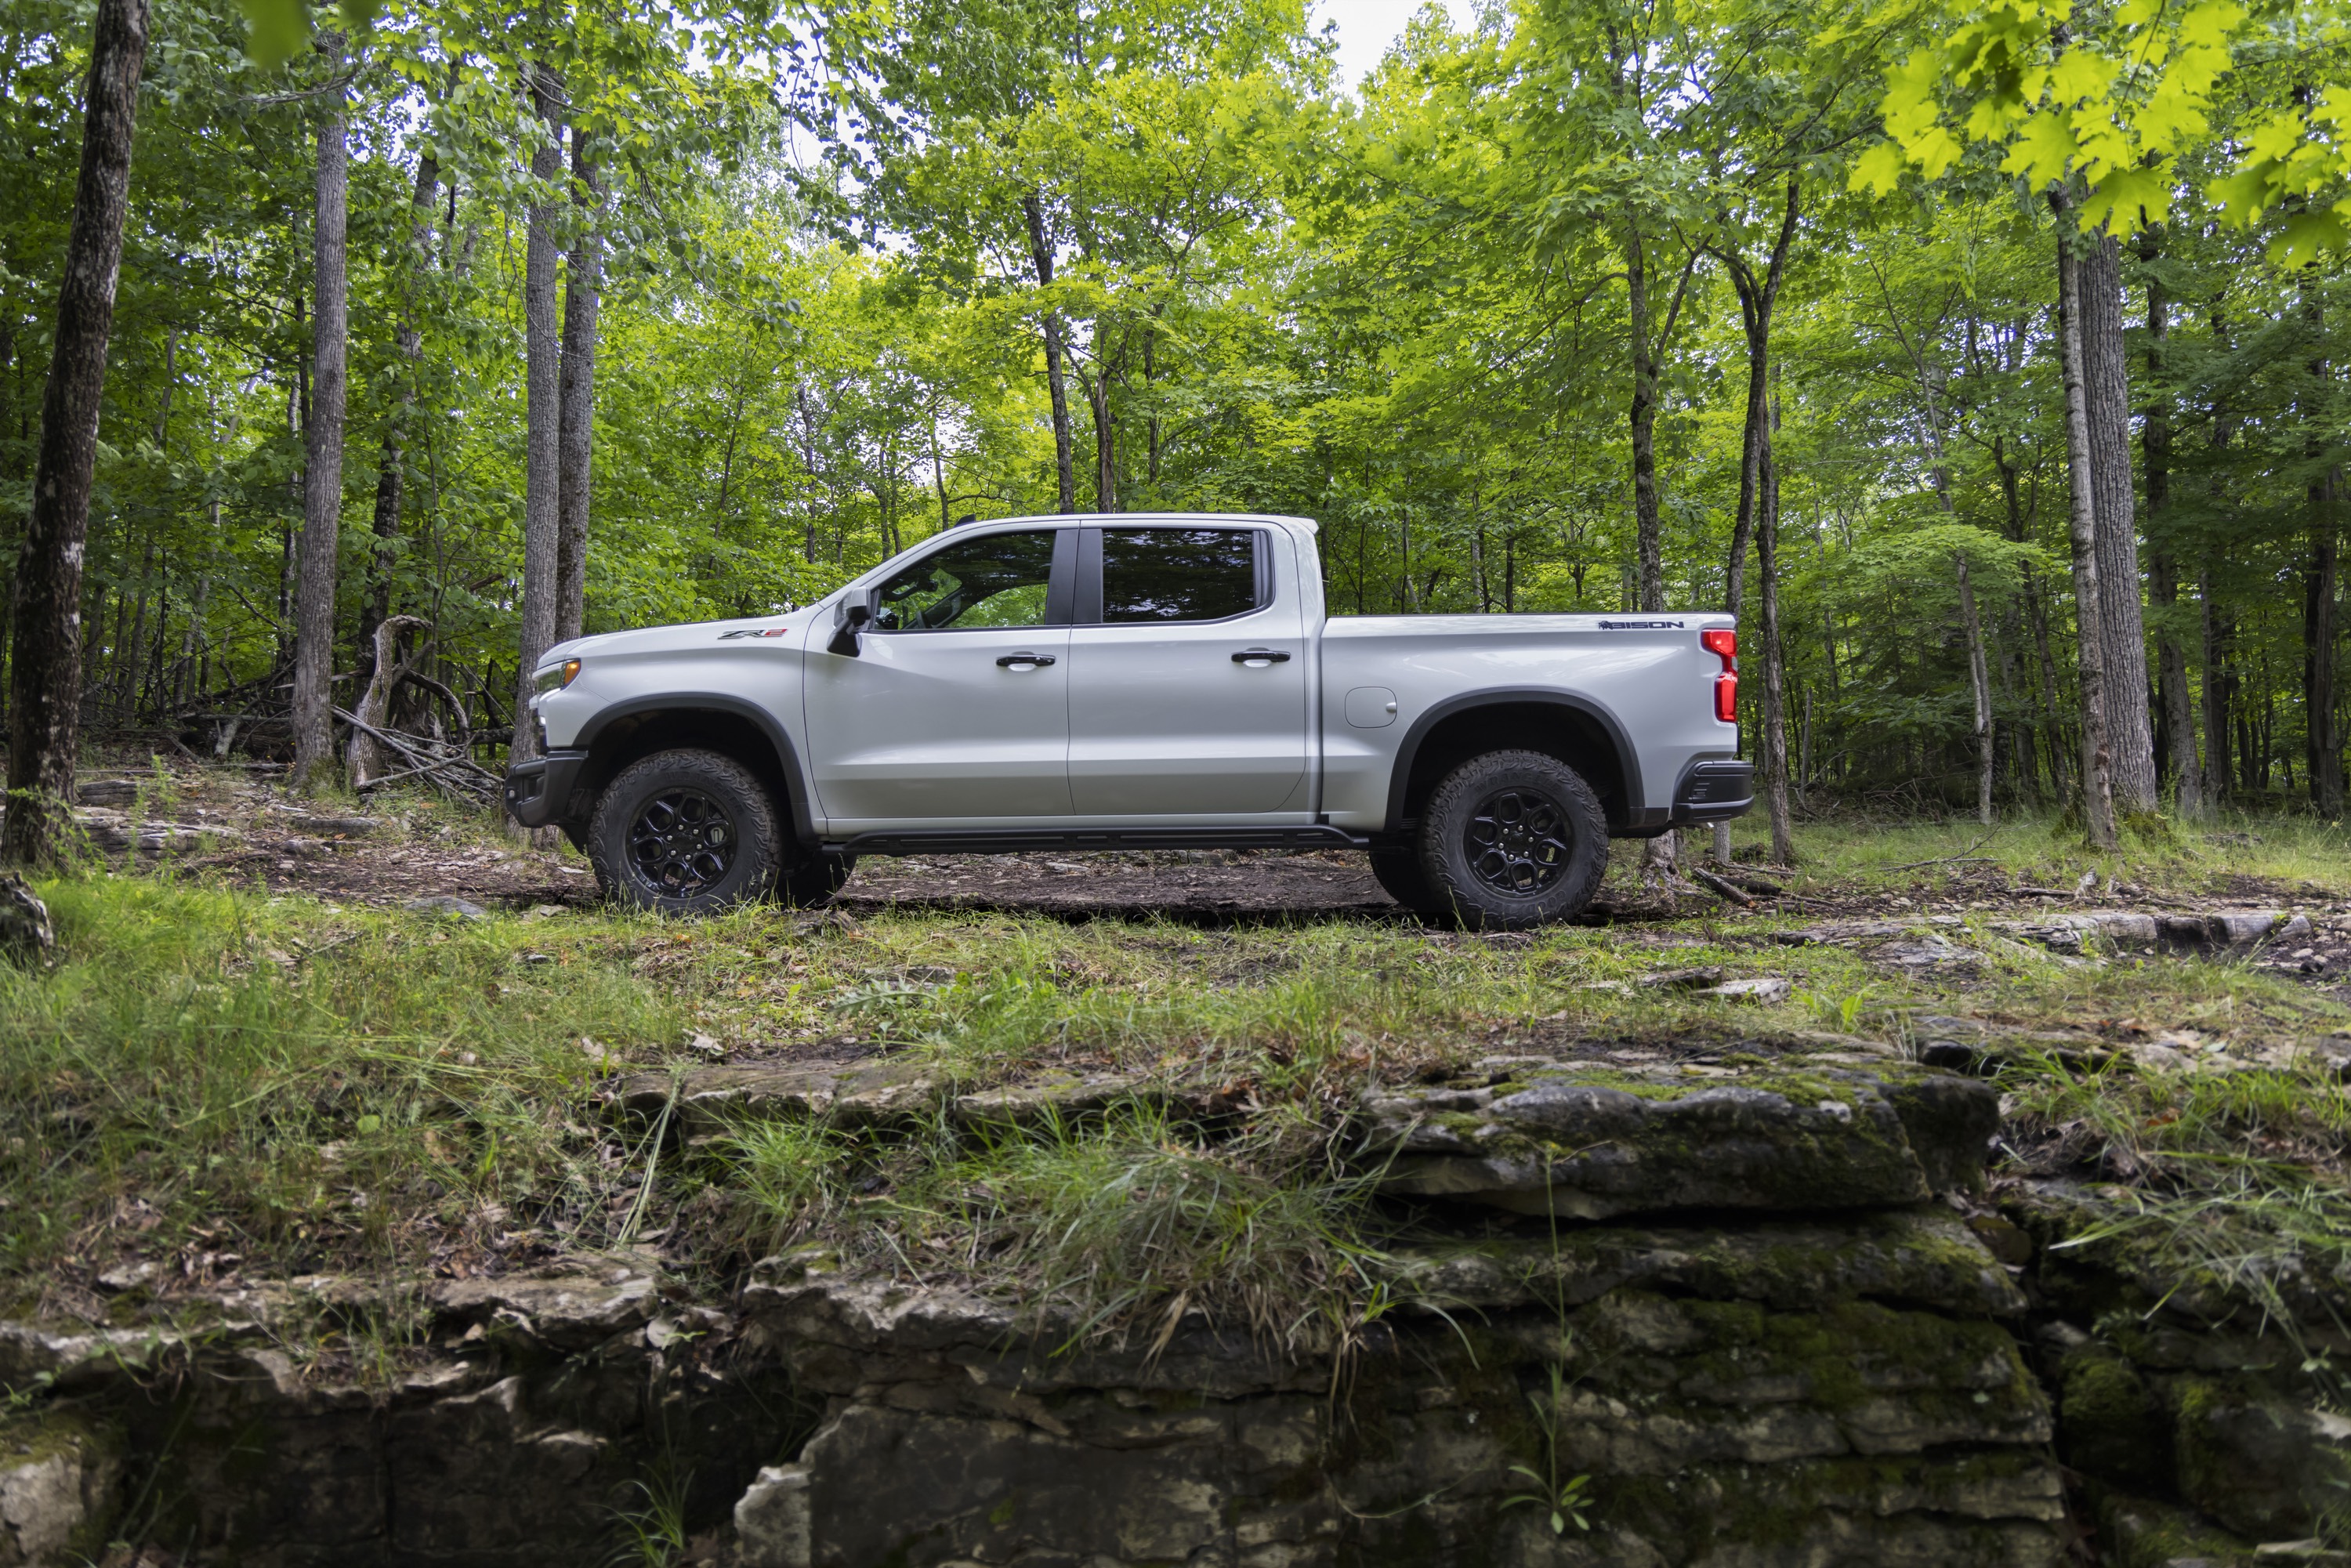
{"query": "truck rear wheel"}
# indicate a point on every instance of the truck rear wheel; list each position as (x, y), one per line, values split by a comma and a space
(1513, 839)
(685, 832)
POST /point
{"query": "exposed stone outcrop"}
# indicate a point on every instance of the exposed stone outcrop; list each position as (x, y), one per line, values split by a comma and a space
(2193, 1403)
(1820, 1132)
(60, 1486)
(1795, 1393)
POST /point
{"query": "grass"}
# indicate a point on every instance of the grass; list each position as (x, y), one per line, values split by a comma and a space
(224, 1084)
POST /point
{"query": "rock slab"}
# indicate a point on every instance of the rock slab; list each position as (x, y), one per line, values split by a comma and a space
(1585, 1142)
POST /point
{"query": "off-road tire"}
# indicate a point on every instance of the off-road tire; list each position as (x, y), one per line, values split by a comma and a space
(1512, 840)
(686, 833)
(1398, 871)
(810, 882)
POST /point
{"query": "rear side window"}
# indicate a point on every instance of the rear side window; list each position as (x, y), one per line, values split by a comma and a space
(1178, 574)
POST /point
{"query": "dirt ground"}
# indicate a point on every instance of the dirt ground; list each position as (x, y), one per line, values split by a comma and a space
(241, 825)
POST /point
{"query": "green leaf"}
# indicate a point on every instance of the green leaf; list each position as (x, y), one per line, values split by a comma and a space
(370, 1123)
(275, 29)
(1877, 171)
(2045, 151)
(2308, 236)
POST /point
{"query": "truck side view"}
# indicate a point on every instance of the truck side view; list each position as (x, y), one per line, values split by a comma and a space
(1128, 682)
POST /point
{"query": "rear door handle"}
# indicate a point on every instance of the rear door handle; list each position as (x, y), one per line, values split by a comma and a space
(1009, 660)
(1259, 658)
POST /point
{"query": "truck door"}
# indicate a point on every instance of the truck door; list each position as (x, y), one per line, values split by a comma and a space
(1187, 674)
(956, 705)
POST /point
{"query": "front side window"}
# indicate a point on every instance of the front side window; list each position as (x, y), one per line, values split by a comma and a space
(998, 581)
(1178, 574)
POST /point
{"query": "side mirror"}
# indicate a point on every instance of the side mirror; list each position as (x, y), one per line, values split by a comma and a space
(851, 616)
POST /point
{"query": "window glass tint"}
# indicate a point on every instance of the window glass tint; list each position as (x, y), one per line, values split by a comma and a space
(998, 581)
(1178, 574)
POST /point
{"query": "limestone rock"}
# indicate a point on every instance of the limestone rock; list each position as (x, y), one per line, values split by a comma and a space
(567, 1308)
(446, 904)
(26, 934)
(845, 1093)
(2261, 1465)
(60, 1486)
(2217, 933)
(771, 1520)
(1589, 1143)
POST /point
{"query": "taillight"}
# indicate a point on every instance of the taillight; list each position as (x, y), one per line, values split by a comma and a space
(1722, 641)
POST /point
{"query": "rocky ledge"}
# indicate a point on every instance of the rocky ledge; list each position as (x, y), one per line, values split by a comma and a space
(1825, 1130)
(1761, 1313)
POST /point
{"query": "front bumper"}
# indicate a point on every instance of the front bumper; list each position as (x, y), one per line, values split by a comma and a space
(1714, 792)
(538, 790)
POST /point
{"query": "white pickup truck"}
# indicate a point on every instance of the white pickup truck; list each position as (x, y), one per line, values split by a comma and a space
(1137, 681)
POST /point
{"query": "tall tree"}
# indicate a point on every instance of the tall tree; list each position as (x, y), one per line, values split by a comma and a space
(2097, 781)
(2105, 386)
(582, 293)
(323, 483)
(45, 656)
(543, 374)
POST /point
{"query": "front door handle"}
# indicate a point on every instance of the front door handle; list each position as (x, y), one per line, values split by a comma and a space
(1009, 660)
(1259, 658)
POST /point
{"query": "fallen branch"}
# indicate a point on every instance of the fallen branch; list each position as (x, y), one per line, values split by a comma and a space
(1721, 888)
(1967, 855)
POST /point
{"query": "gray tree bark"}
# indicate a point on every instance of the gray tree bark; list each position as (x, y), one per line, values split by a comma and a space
(45, 646)
(1775, 703)
(1041, 255)
(2106, 378)
(582, 294)
(390, 466)
(543, 395)
(322, 485)
(2163, 565)
(1979, 683)
(2097, 784)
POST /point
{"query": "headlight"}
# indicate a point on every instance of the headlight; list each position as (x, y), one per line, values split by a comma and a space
(554, 678)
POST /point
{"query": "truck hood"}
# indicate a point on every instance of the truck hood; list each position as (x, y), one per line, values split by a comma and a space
(693, 635)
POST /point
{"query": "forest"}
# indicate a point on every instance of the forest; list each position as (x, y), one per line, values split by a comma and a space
(1989, 360)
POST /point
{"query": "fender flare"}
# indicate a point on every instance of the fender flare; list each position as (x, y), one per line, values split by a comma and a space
(1628, 761)
(788, 757)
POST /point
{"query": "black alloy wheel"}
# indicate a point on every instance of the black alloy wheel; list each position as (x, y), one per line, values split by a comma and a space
(683, 843)
(1518, 842)
(686, 833)
(1510, 840)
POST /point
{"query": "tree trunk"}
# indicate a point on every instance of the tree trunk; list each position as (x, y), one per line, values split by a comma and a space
(544, 393)
(1756, 300)
(2163, 566)
(1775, 715)
(575, 437)
(1040, 254)
(322, 486)
(1979, 681)
(1648, 524)
(2097, 785)
(389, 474)
(1105, 436)
(2106, 377)
(2322, 745)
(45, 660)
(2217, 781)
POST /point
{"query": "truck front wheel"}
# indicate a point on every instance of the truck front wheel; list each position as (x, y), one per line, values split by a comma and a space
(1513, 839)
(685, 832)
